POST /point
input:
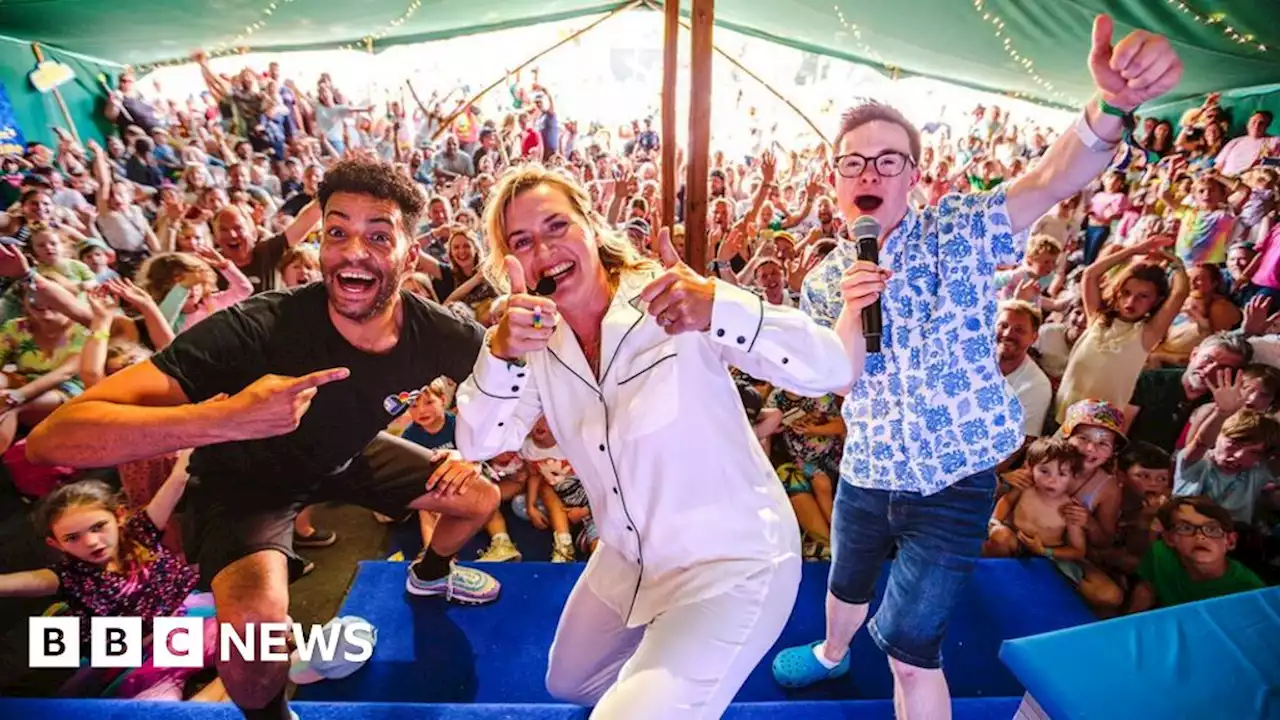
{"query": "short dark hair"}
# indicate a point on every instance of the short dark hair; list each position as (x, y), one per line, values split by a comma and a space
(1202, 504)
(869, 111)
(1144, 454)
(1055, 449)
(379, 180)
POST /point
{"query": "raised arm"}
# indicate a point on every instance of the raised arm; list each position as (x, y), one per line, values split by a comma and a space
(1141, 67)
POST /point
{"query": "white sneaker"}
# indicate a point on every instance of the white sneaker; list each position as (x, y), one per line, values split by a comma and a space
(562, 553)
(501, 550)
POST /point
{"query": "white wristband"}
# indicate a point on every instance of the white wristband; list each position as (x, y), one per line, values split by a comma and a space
(1089, 137)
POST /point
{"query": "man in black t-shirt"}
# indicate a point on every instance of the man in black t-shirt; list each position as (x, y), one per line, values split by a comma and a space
(236, 237)
(285, 398)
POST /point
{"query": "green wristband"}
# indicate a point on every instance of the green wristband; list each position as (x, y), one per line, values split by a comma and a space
(1110, 109)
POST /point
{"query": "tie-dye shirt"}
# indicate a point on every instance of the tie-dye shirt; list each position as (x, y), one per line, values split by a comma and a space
(1203, 235)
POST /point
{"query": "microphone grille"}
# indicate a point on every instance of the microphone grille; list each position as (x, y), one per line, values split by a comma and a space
(546, 286)
(866, 227)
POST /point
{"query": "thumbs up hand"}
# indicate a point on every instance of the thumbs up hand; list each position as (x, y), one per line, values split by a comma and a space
(528, 321)
(681, 299)
(1141, 67)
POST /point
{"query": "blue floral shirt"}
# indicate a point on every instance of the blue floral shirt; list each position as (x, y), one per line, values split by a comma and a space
(932, 408)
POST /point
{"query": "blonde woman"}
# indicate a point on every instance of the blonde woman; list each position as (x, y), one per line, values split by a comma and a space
(700, 555)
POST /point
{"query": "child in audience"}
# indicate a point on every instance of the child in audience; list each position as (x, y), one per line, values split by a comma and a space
(811, 433)
(1037, 267)
(115, 565)
(1031, 520)
(554, 497)
(1124, 324)
(1146, 483)
(300, 265)
(52, 261)
(512, 475)
(1105, 209)
(195, 272)
(1232, 471)
(432, 428)
(1256, 387)
(1189, 562)
(98, 256)
(1205, 228)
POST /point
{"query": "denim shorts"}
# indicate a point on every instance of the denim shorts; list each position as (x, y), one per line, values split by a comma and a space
(939, 539)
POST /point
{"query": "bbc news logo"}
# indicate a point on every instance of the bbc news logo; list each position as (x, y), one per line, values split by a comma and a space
(178, 642)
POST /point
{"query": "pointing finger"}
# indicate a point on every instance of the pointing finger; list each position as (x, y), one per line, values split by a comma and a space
(321, 377)
(515, 273)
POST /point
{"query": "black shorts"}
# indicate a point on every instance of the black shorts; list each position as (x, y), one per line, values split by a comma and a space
(227, 519)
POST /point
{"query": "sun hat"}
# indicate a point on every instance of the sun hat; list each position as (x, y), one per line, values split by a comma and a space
(1094, 413)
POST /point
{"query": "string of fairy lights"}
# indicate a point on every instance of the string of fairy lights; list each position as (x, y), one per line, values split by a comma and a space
(366, 43)
(866, 50)
(237, 45)
(1219, 19)
(1027, 64)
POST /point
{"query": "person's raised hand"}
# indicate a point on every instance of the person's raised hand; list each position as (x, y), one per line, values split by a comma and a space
(1141, 67)
(1227, 386)
(274, 404)
(680, 299)
(126, 291)
(1028, 290)
(527, 322)
(862, 283)
(13, 263)
(1256, 321)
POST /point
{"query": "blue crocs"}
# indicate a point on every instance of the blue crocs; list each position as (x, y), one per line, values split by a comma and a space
(798, 667)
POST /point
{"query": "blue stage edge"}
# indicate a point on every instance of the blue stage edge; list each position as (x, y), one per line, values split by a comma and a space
(435, 660)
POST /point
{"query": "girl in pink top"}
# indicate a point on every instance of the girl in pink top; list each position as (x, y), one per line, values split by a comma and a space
(163, 272)
(1264, 270)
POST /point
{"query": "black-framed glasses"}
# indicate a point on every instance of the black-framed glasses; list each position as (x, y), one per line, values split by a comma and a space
(1213, 531)
(889, 163)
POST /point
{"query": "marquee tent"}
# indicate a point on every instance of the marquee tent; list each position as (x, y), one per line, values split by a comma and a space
(1034, 50)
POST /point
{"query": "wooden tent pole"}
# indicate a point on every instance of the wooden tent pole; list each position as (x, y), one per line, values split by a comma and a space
(448, 122)
(695, 214)
(57, 94)
(670, 65)
(774, 91)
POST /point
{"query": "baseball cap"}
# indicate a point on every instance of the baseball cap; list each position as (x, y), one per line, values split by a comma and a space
(316, 669)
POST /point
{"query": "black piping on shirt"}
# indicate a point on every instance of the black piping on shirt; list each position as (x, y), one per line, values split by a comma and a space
(651, 366)
(759, 324)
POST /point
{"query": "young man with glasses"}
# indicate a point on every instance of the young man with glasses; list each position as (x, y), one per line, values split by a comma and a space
(1189, 562)
(931, 415)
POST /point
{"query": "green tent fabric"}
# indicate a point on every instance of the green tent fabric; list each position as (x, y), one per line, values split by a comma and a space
(978, 43)
(36, 112)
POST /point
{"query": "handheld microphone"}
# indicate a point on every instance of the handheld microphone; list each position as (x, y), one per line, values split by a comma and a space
(545, 287)
(866, 233)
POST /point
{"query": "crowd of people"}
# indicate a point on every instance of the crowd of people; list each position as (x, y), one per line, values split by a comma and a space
(1140, 333)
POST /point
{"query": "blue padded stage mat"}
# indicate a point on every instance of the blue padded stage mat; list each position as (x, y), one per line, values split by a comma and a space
(432, 652)
(964, 709)
(1214, 659)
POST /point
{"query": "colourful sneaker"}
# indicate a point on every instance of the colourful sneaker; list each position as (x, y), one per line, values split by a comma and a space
(798, 667)
(463, 585)
(500, 550)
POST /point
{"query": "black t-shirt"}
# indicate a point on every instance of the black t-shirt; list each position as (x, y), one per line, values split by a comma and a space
(289, 333)
(296, 201)
(261, 269)
(1164, 408)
